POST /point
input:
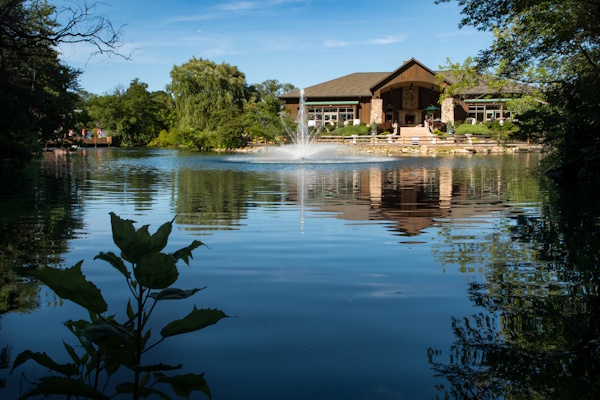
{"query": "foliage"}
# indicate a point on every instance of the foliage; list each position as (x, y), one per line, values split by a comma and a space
(350, 130)
(109, 344)
(133, 116)
(468, 129)
(554, 45)
(206, 96)
(385, 126)
(537, 337)
(37, 90)
(261, 119)
(273, 88)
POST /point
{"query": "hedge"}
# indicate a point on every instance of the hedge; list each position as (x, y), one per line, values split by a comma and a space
(468, 129)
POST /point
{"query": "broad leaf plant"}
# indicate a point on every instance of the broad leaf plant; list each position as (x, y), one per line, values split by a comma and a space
(108, 343)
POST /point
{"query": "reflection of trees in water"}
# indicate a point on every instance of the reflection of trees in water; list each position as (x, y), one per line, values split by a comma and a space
(221, 198)
(37, 217)
(38, 214)
(540, 334)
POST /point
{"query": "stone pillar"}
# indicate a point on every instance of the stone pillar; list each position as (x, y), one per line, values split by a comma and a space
(448, 110)
(376, 111)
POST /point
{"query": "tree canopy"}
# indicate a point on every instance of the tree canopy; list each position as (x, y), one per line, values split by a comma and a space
(555, 46)
(133, 116)
(37, 90)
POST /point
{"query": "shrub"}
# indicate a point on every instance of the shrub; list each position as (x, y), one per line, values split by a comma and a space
(437, 125)
(350, 130)
(385, 126)
(468, 129)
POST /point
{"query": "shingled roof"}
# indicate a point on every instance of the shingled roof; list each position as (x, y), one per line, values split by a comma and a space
(359, 84)
(354, 85)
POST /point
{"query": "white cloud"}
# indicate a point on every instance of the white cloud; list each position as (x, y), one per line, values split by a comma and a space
(240, 6)
(386, 40)
(335, 43)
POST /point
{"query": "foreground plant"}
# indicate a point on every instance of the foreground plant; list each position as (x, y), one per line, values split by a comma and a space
(107, 344)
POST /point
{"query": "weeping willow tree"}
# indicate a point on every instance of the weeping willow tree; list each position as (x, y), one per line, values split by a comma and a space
(209, 100)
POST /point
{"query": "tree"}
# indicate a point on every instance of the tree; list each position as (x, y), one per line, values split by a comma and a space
(207, 95)
(37, 91)
(134, 116)
(261, 113)
(272, 87)
(554, 45)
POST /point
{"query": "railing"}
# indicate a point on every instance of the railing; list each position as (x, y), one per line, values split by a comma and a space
(386, 140)
(414, 141)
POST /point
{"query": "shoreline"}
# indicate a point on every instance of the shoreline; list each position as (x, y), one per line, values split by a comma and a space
(396, 150)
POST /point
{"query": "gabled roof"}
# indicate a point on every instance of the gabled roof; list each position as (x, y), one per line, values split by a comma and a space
(354, 85)
(402, 69)
(364, 84)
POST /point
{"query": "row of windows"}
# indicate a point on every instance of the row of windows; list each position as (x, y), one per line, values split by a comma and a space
(331, 114)
(488, 113)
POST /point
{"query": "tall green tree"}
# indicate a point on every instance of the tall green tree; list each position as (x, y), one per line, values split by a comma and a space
(556, 46)
(134, 115)
(37, 91)
(261, 114)
(209, 99)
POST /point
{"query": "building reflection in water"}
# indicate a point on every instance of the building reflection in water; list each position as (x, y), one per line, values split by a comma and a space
(413, 199)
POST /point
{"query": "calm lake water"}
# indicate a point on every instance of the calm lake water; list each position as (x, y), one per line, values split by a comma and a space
(399, 278)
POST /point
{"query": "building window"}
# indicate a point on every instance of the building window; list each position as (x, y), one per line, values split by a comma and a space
(315, 114)
(330, 115)
(477, 112)
(346, 114)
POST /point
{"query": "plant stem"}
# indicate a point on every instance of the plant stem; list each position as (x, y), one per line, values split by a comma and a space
(138, 343)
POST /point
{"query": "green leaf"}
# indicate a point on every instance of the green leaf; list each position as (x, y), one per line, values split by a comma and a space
(159, 367)
(126, 238)
(184, 385)
(194, 321)
(115, 261)
(156, 271)
(101, 331)
(70, 284)
(136, 244)
(186, 253)
(64, 386)
(45, 361)
(174, 294)
(73, 355)
(142, 391)
(158, 241)
(130, 313)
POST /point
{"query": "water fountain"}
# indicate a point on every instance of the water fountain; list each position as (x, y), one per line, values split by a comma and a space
(303, 140)
(304, 148)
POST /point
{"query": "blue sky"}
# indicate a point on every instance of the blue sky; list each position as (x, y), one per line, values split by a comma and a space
(303, 42)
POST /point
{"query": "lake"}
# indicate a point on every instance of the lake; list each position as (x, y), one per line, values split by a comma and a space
(398, 278)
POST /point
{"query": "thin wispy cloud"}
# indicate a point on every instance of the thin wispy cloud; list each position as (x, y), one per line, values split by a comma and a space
(386, 40)
(254, 5)
(241, 6)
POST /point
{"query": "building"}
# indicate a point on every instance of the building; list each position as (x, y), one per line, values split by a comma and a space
(405, 96)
